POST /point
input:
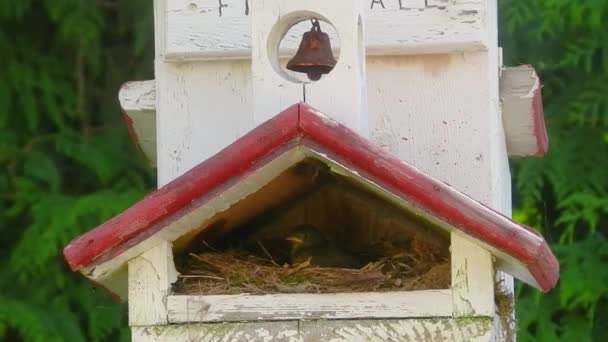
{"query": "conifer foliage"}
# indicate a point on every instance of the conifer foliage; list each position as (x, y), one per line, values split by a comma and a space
(66, 161)
(67, 164)
(565, 195)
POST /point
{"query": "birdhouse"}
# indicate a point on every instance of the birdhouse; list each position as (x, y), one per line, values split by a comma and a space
(327, 170)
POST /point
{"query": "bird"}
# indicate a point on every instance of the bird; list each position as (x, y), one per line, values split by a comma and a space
(308, 243)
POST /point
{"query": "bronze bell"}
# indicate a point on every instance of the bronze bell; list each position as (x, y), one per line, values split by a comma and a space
(314, 57)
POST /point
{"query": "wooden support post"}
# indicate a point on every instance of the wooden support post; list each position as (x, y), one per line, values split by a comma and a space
(472, 284)
(150, 277)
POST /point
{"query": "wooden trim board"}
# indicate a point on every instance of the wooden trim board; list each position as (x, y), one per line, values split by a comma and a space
(281, 307)
(472, 329)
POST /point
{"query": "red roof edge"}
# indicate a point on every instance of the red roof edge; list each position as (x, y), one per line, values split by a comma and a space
(545, 268)
(162, 203)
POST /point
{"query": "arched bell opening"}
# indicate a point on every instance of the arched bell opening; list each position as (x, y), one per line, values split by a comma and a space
(303, 47)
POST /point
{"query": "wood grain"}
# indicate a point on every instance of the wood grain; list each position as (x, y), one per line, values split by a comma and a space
(415, 330)
(273, 307)
(150, 277)
(522, 111)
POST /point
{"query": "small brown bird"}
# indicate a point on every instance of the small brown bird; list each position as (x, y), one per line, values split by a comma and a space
(307, 242)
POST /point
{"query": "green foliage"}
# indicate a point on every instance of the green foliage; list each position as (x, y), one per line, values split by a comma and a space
(565, 195)
(66, 161)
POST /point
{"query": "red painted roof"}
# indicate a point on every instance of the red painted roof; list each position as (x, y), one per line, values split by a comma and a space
(300, 124)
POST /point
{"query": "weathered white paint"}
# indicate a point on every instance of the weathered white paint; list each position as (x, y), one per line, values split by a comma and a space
(415, 330)
(341, 93)
(205, 106)
(138, 96)
(196, 29)
(150, 277)
(138, 100)
(438, 112)
(202, 108)
(472, 284)
(521, 106)
(281, 307)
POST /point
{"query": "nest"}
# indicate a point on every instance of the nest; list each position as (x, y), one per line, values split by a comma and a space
(237, 271)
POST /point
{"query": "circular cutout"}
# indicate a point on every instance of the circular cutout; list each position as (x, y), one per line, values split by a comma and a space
(303, 47)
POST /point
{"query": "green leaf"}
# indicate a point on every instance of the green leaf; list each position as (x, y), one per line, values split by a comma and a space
(5, 103)
(40, 166)
(29, 321)
(66, 162)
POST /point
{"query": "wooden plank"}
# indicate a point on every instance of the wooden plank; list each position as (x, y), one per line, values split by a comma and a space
(522, 112)
(276, 307)
(219, 332)
(138, 96)
(202, 108)
(208, 29)
(414, 330)
(473, 329)
(150, 278)
(472, 283)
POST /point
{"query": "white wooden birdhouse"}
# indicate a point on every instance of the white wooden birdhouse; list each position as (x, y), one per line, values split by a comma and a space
(328, 170)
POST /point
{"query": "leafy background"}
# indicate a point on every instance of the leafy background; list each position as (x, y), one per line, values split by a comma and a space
(66, 161)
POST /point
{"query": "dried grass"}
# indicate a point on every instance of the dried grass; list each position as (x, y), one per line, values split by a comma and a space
(238, 271)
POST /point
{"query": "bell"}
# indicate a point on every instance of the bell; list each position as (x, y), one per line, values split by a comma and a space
(314, 57)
